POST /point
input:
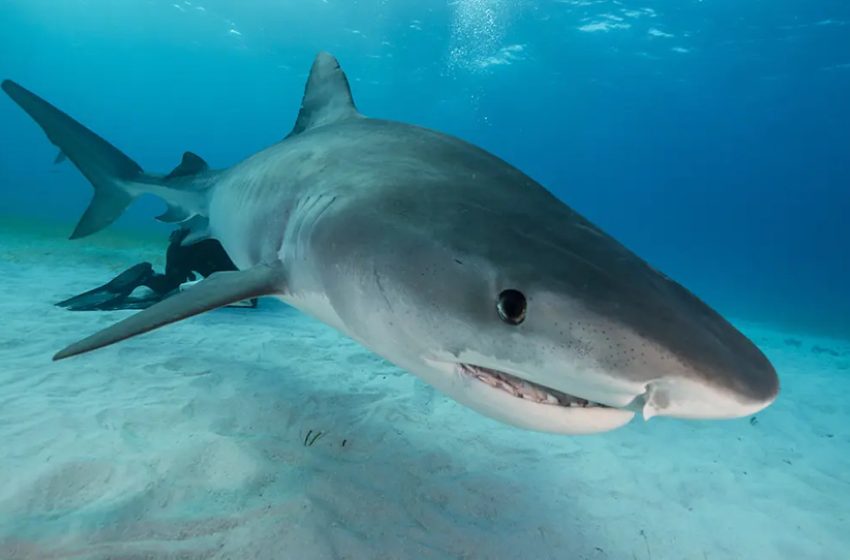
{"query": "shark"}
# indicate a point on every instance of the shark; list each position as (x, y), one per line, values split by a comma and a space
(438, 256)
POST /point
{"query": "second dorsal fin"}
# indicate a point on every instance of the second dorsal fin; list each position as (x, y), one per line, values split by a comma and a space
(191, 164)
(327, 96)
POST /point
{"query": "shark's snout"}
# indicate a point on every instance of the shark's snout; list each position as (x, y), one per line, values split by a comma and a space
(700, 398)
(716, 371)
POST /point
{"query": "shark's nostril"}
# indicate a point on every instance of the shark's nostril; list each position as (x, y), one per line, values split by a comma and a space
(690, 397)
(655, 400)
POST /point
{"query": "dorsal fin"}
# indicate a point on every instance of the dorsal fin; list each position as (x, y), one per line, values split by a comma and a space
(191, 164)
(327, 96)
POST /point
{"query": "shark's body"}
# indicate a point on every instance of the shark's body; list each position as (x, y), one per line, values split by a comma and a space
(441, 258)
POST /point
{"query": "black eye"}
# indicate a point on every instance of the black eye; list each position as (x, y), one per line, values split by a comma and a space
(512, 307)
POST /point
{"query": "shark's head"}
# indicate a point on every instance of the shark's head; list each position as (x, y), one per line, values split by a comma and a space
(523, 310)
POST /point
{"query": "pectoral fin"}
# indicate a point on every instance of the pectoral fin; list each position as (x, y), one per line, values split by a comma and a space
(220, 289)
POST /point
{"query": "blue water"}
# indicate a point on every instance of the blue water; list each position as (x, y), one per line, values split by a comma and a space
(711, 137)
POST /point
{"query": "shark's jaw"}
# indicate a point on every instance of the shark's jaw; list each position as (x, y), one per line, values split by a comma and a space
(513, 399)
(523, 389)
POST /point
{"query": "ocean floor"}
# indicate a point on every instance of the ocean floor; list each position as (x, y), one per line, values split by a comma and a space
(263, 434)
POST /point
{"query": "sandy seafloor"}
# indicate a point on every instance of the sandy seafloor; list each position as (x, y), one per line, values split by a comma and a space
(189, 443)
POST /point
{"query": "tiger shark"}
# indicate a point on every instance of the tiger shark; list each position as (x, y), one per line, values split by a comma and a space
(439, 257)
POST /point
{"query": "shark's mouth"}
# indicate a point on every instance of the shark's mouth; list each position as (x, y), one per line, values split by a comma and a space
(525, 390)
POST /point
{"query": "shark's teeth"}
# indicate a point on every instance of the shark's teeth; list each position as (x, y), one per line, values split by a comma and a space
(523, 389)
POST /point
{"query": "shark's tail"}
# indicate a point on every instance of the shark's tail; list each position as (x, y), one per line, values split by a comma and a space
(116, 178)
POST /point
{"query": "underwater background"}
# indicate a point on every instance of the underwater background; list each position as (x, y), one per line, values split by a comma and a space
(711, 137)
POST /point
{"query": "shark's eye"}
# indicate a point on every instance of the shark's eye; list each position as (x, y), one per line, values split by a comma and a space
(512, 306)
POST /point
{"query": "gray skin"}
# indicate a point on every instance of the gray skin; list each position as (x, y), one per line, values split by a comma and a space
(403, 238)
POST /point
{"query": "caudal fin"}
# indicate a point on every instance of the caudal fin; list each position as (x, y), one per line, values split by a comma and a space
(101, 162)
